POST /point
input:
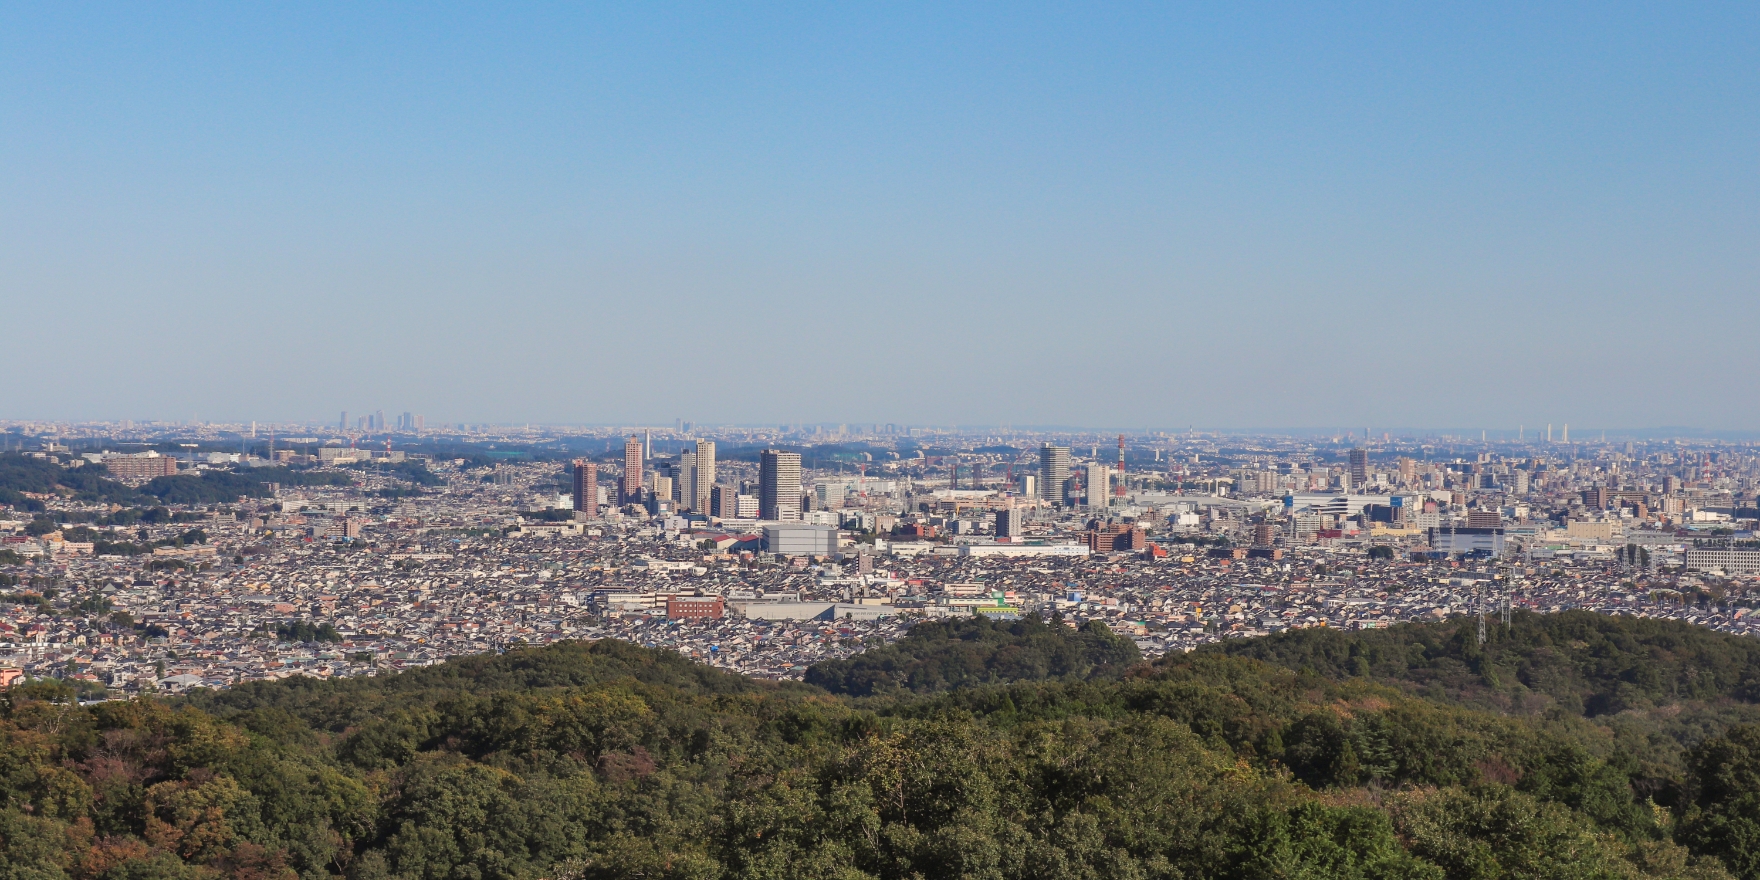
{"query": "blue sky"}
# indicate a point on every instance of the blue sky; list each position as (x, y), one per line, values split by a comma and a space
(1122, 215)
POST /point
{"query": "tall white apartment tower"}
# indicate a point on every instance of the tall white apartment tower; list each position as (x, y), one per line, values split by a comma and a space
(1099, 489)
(1053, 472)
(779, 485)
(702, 476)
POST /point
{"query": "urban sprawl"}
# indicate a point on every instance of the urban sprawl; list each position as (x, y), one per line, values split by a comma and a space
(162, 557)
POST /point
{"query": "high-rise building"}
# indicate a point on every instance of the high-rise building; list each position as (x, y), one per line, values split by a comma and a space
(1359, 468)
(586, 488)
(630, 490)
(342, 424)
(379, 420)
(1053, 472)
(420, 424)
(684, 477)
(779, 485)
(1099, 487)
(407, 423)
(1010, 523)
(702, 476)
(724, 502)
(1262, 535)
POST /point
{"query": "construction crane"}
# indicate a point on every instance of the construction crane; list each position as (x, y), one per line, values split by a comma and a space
(1008, 475)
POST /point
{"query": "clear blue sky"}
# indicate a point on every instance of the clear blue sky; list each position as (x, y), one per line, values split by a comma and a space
(1111, 215)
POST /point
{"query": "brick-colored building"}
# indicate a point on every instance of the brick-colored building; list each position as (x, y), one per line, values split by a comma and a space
(141, 467)
(695, 607)
(1116, 538)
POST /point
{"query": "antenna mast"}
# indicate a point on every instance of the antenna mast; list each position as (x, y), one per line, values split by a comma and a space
(1118, 490)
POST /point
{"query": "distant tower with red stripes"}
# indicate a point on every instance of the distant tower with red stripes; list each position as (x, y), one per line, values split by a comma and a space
(1118, 488)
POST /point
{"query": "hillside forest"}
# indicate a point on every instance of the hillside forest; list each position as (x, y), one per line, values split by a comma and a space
(1561, 746)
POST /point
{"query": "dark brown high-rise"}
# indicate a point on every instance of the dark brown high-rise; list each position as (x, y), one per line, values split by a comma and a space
(630, 490)
(586, 488)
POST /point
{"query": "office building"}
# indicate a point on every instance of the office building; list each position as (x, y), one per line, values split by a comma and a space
(342, 424)
(630, 488)
(1484, 519)
(586, 489)
(1029, 485)
(779, 485)
(1359, 468)
(1467, 541)
(1723, 558)
(1098, 492)
(1053, 472)
(797, 539)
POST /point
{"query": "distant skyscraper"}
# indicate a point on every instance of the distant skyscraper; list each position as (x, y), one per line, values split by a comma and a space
(703, 476)
(631, 489)
(1359, 468)
(586, 488)
(342, 425)
(420, 424)
(407, 423)
(1099, 489)
(1053, 472)
(779, 485)
(684, 477)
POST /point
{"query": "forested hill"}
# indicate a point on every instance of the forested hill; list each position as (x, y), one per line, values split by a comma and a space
(608, 760)
(1576, 661)
(345, 704)
(946, 654)
(20, 473)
